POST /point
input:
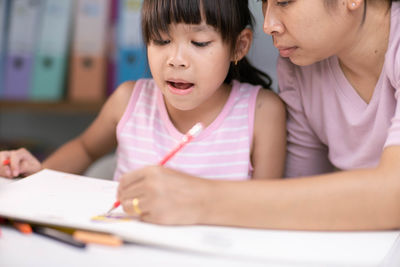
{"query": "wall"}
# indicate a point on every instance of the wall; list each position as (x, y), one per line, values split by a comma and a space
(263, 54)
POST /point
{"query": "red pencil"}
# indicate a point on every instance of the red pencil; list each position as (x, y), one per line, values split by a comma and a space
(6, 162)
(194, 131)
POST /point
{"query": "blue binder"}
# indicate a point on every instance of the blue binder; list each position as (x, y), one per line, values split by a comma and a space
(50, 59)
(132, 57)
(4, 10)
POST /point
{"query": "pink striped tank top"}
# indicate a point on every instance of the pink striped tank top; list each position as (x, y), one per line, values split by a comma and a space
(145, 134)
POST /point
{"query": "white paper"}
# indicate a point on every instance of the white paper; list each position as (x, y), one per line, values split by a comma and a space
(58, 198)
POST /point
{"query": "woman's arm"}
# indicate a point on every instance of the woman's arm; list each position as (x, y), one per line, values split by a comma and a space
(97, 140)
(367, 199)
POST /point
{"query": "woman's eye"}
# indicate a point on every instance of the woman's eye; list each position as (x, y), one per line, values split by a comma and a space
(282, 3)
(201, 44)
(161, 42)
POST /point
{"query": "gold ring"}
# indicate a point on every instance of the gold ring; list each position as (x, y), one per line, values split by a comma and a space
(135, 204)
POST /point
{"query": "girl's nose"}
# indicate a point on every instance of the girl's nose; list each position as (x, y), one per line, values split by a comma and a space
(178, 59)
(272, 25)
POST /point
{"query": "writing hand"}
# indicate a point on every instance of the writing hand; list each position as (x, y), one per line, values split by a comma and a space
(164, 196)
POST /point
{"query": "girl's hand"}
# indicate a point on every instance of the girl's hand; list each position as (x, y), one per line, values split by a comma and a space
(18, 163)
(164, 196)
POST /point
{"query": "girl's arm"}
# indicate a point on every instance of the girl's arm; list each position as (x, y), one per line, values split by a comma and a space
(97, 140)
(269, 138)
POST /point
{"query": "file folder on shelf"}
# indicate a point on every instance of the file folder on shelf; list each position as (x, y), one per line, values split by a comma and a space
(112, 48)
(88, 62)
(51, 53)
(24, 24)
(4, 4)
(132, 57)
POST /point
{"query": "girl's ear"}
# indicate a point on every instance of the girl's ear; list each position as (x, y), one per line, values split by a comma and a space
(243, 44)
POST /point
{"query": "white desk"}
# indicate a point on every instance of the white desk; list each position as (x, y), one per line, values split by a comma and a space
(34, 250)
(17, 249)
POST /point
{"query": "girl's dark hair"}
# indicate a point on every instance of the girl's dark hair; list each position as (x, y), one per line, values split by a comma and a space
(228, 17)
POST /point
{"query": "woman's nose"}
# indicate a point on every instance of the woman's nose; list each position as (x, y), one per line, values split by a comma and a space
(272, 24)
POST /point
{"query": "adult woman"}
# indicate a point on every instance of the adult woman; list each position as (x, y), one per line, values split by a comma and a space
(341, 83)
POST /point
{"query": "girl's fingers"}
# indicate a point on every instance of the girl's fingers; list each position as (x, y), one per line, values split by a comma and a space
(133, 190)
(15, 162)
(5, 164)
(136, 206)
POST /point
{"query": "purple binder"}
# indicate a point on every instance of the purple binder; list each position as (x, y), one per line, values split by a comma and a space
(18, 72)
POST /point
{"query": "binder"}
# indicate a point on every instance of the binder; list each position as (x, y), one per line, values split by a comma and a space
(24, 22)
(50, 59)
(112, 48)
(4, 5)
(88, 61)
(132, 57)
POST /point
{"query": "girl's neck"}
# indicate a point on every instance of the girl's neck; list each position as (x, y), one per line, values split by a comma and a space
(205, 113)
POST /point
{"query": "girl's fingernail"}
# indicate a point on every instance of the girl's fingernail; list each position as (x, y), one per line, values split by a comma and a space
(8, 173)
(15, 173)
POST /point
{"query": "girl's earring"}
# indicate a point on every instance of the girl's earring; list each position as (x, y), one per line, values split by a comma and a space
(236, 61)
(353, 4)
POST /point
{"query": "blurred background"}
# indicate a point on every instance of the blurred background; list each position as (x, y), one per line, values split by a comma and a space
(60, 59)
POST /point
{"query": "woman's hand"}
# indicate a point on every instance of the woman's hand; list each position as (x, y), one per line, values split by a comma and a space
(164, 196)
(20, 163)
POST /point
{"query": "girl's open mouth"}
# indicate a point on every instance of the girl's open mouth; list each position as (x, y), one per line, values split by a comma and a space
(180, 88)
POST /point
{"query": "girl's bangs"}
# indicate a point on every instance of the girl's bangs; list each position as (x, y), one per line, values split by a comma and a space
(157, 15)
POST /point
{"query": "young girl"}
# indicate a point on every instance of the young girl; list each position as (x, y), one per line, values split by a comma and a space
(196, 53)
(340, 77)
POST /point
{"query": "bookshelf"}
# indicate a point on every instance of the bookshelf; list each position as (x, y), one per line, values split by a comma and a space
(61, 106)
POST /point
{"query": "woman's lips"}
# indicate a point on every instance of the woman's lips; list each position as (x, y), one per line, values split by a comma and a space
(286, 51)
(180, 87)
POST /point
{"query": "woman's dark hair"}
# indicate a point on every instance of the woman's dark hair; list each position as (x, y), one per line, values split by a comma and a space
(228, 17)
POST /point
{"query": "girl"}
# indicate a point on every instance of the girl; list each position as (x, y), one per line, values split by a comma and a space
(196, 53)
(340, 77)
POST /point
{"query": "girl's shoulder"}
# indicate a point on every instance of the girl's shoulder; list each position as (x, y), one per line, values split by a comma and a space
(125, 90)
(268, 102)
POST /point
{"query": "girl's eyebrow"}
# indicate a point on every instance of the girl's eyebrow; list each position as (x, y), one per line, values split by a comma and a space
(199, 28)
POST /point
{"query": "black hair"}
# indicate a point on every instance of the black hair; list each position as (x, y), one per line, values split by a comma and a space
(228, 17)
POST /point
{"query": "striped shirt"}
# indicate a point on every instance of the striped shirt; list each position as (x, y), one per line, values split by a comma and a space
(146, 134)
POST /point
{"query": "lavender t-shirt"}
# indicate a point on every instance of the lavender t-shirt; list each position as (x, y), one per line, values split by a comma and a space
(329, 125)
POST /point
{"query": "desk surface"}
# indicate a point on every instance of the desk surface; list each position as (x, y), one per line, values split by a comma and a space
(17, 249)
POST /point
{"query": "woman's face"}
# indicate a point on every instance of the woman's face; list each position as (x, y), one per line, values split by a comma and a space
(307, 31)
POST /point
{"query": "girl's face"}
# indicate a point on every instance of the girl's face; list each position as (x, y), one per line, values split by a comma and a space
(189, 65)
(307, 31)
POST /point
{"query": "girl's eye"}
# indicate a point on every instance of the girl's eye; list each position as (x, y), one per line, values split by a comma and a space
(201, 44)
(161, 42)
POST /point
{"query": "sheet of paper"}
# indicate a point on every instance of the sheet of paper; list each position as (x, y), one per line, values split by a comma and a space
(58, 198)
(5, 181)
